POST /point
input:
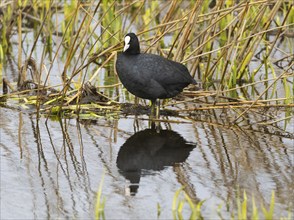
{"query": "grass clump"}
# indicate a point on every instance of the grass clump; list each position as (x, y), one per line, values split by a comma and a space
(179, 202)
(244, 209)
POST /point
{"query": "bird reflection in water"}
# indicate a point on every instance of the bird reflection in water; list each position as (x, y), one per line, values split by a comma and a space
(150, 150)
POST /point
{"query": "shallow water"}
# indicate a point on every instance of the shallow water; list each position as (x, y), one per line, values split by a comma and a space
(52, 169)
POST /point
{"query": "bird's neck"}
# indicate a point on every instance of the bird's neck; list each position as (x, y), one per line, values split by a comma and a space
(131, 52)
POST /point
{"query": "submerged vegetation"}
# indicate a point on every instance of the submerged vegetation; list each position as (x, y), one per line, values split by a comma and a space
(56, 59)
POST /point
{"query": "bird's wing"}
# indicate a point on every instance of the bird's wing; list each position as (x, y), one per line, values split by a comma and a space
(164, 71)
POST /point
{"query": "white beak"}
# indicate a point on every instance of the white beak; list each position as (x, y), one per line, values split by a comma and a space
(127, 41)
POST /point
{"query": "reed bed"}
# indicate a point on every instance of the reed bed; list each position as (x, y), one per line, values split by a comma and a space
(240, 52)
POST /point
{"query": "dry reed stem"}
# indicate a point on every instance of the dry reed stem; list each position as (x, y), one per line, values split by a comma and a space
(189, 57)
(263, 93)
(236, 106)
(206, 94)
(165, 32)
(259, 102)
(278, 120)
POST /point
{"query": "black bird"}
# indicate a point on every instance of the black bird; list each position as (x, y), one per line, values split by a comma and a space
(150, 76)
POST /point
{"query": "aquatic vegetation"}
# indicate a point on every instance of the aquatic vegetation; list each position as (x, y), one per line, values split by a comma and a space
(179, 203)
(218, 42)
(242, 211)
(100, 203)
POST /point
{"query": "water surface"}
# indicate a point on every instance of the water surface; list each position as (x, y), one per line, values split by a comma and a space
(52, 169)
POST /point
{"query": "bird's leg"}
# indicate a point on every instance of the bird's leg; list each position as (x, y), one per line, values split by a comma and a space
(152, 114)
(155, 106)
(157, 109)
(157, 123)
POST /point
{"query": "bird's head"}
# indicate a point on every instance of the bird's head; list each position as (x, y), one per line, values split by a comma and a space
(132, 45)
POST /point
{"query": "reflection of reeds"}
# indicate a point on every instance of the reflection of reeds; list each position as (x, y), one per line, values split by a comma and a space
(217, 42)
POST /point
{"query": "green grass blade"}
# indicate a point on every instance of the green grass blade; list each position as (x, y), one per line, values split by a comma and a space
(99, 208)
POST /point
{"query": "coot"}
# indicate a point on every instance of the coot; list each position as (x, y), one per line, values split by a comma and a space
(150, 76)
